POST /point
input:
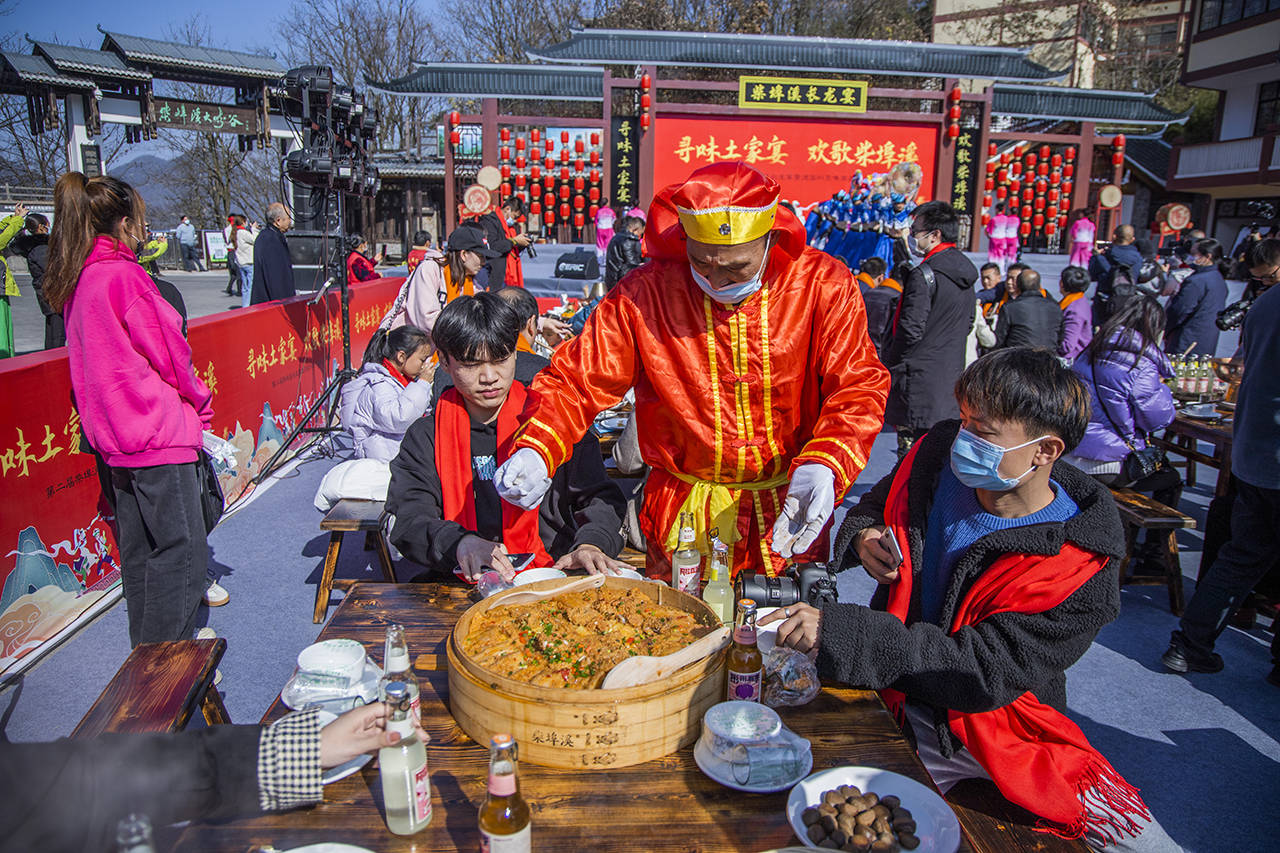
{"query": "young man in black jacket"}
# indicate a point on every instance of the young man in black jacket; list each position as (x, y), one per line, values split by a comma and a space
(1007, 573)
(1029, 319)
(448, 514)
(926, 347)
(623, 253)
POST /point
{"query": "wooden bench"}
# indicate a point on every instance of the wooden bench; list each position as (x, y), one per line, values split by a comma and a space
(158, 688)
(994, 823)
(351, 516)
(1139, 512)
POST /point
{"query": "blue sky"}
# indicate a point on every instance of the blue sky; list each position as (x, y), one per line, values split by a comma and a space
(233, 24)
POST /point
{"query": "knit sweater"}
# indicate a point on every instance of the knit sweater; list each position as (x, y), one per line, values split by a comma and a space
(992, 663)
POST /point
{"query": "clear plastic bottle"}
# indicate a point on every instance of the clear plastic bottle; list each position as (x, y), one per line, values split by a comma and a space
(718, 592)
(397, 667)
(505, 826)
(686, 562)
(406, 787)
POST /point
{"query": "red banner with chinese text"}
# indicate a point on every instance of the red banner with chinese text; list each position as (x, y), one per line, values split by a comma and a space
(810, 158)
(266, 365)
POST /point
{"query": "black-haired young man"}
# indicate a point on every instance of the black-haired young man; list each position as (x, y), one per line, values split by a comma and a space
(500, 227)
(446, 507)
(935, 314)
(1007, 572)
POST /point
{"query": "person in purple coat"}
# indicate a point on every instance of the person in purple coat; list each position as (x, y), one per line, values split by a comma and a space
(1124, 370)
(1077, 313)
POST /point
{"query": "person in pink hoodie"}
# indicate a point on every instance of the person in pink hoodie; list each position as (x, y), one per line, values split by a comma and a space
(141, 404)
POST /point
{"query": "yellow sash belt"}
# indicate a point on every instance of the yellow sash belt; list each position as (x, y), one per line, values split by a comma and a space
(714, 506)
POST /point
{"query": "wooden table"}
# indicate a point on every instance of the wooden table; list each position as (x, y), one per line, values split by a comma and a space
(662, 805)
(1181, 436)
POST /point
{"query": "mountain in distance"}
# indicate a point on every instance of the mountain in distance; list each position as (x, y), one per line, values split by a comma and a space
(142, 173)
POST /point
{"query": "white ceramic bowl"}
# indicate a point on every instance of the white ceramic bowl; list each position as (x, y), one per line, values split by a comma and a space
(535, 575)
(339, 659)
(630, 573)
(936, 824)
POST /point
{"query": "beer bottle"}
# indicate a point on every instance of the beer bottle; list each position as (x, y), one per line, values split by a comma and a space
(745, 666)
(406, 787)
(686, 563)
(395, 664)
(504, 815)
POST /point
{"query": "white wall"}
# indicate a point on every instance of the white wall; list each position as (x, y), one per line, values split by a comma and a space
(1239, 109)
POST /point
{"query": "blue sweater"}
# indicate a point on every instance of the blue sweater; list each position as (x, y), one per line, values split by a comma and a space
(956, 521)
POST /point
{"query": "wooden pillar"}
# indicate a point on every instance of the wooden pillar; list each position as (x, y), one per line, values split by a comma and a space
(489, 132)
(647, 150)
(980, 174)
(450, 187)
(1084, 171)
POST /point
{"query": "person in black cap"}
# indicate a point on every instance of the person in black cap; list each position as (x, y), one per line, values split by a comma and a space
(466, 252)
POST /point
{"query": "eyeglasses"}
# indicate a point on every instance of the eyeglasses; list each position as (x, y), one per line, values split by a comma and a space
(1272, 277)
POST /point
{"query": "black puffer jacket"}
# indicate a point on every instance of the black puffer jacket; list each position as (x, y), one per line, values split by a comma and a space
(990, 664)
(1031, 320)
(926, 352)
(621, 257)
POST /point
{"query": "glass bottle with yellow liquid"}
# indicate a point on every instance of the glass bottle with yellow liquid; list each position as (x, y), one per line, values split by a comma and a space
(745, 665)
(504, 816)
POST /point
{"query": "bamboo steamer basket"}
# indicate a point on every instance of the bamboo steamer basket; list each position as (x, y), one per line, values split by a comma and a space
(587, 729)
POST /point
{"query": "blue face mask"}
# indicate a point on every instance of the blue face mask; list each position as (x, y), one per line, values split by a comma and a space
(976, 462)
(734, 293)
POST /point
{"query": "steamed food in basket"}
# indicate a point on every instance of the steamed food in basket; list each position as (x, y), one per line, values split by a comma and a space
(573, 640)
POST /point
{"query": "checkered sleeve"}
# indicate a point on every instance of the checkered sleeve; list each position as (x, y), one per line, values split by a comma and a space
(289, 762)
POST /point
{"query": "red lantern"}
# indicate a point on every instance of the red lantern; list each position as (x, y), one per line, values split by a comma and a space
(1055, 177)
(992, 149)
(579, 202)
(1062, 220)
(1118, 142)
(1117, 158)
(504, 153)
(564, 154)
(1015, 186)
(1051, 211)
(535, 172)
(1038, 220)
(549, 145)
(1068, 170)
(564, 173)
(1004, 159)
(578, 165)
(549, 164)
(1019, 150)
(535, 208)
(953, 130)
(1002, 176)
(594, 194)
(1044, 151)
(986, 218)
(1031, 160)
(1056, 161)
(645, 81)
(1053, 193)
(1001, 193)
(455, 138)
(1050, 228)
(594, 176)
(594, 157)
(646, 101)
(521, 180)
(644, 121)
(535, 136)
(1025, 229)
(595, 138)
(1041, 186)
(549, 200)
(592, 210)
(564, 137)
(1026, 211)
(954, 112)
(504, 133)
(1028, 194)
(549, 182)
(1042, 169)
(1070, 154)
(564, 192)
(577, 220)
(454, 118)
(505, 189)
(564, 211)
(549, 218)
(506, 171)
(521, 162)
(579, 184)
(1039, 204)
(1015, 169)
(986, 201)
(520, 143)
(991, 167)
(988, 185)
(956, 93)
(1066, 189)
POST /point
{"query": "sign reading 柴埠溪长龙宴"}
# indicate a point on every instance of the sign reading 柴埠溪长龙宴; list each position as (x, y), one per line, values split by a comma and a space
(802, 93)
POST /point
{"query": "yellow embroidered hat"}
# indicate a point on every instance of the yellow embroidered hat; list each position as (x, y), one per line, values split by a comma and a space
(726, 204)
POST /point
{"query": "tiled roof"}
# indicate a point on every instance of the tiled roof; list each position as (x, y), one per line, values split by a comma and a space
(1098, 105)
(795, 53)
(486, 80)
(155, 52)
(85, 60)
(1150, 155)
(29, 68)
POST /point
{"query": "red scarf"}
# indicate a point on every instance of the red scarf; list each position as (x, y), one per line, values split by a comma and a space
(1037, 757)
(395, 372)
(453, 464)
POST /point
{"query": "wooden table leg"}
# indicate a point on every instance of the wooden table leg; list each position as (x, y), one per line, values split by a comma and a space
(325, 587)
(1189, 443)
(1173, 567)
(215, 713)
(384, 557)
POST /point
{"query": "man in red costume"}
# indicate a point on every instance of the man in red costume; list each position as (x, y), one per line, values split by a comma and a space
(758, 392)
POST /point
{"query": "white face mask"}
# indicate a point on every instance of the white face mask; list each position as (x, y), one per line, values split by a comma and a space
(733, 293)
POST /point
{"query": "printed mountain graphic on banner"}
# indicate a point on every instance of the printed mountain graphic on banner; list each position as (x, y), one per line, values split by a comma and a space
(34, 570)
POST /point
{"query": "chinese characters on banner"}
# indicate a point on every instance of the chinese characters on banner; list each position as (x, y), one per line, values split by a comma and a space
(265, 367)
(624, 137)
(811, 158)
(211, 118)
(965, 180)
(802, 93)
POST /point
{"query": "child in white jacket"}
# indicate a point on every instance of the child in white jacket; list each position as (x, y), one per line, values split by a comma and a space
(392, 390)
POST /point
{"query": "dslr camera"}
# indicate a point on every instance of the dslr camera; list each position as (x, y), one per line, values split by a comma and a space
(811, 583)
(1232, 317)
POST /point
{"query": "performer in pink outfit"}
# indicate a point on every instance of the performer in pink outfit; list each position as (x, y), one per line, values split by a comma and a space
(1002, 238)
(1082, 232)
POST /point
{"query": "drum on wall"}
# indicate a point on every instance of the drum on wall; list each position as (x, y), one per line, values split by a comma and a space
(477, 199)
(1110, 196)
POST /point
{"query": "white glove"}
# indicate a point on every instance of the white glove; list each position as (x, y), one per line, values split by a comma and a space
(810, 502)
(522, 480)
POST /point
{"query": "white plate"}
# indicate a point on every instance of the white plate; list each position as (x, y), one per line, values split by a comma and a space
(617, 424)
(328, 847)
(341, 771)
(719, 771)
(535, 575)
(936, 824)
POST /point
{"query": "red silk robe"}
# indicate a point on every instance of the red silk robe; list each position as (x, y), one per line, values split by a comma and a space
(737, 396)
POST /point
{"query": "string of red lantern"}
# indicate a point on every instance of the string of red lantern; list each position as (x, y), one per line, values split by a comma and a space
(646, 100)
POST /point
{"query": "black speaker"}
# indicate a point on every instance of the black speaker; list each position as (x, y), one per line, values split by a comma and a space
(579, 264)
